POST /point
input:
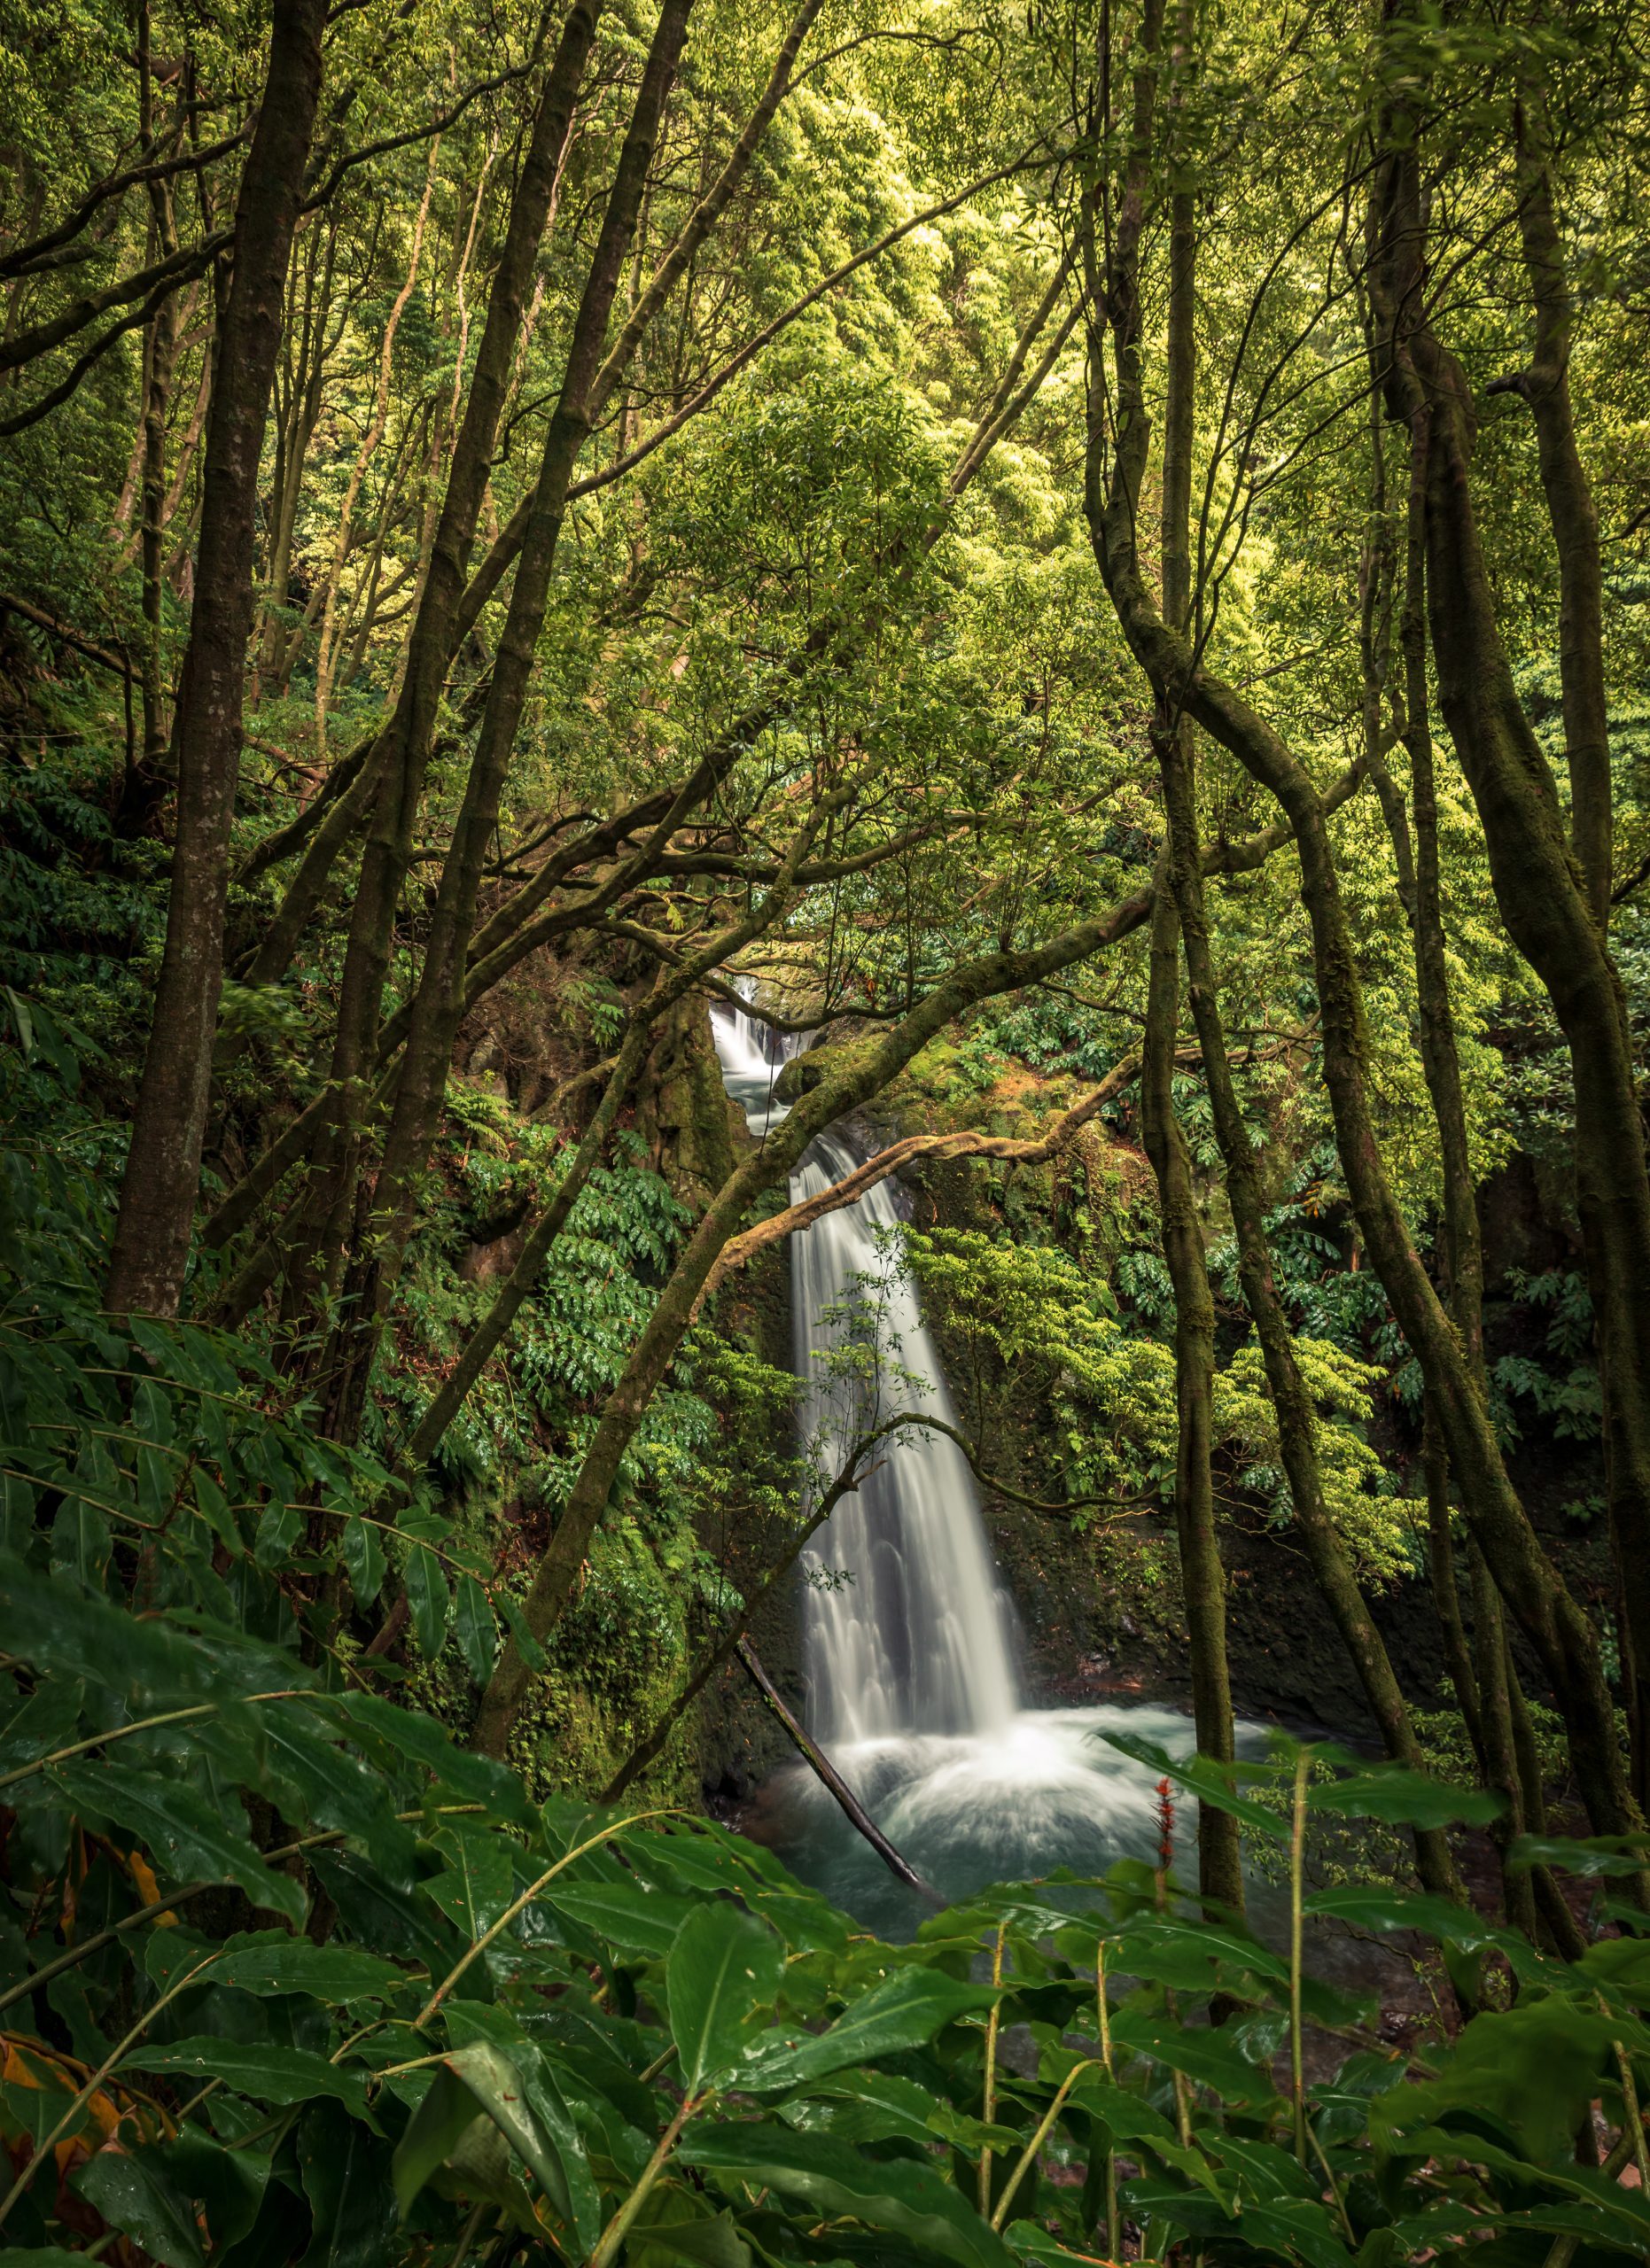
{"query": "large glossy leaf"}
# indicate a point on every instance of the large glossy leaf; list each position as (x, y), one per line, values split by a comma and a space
(73, 1633)
(1404, 1798)
(476, 1630)
(345, 2172)
(908, 2199)
(675, 2231)
(134, 2191)
(268, 1961)
(180, 1829)
(723, 1970)
(228, 2186)
(1620, 1967)
(905, 2010)
(1532, 2069)
(1210, 1782)
(264, 2069)
(446, 2114)
(882, 2106)
(479, 1878)
(493, 2086)
(627, 1915)
(403, 1737)
(48, 1720)
(364, 1560)
(1590, 1855)
(1377, 1907)
(381, 1914)
(431, 1601)
(1174, 1951)
(557, 2115)
(1198, 2050)
(331, 1787)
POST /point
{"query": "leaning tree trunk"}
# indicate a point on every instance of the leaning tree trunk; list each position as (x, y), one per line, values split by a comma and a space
(162, 1175)
(387, 788)
(1202, 1576)
(1540, 889)
(1555, 1624)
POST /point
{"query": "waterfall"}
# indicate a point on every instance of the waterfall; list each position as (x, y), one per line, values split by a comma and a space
(906, 1627)
(916, 1639)
(907, 1636)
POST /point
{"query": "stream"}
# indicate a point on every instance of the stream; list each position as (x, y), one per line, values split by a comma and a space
(909, 1641)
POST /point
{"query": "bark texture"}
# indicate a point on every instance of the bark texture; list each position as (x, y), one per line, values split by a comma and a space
(159, 1191)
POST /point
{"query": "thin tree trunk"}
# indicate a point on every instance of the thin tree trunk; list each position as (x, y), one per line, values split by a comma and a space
(160, 335)
(1203, 1577)
(1556, 1626)
(1543, 900)
(1327, 1553)
(325, 649)
(159, 1190)
(814, 1757)
(391, 782)
(1545, 385)
(440, 1001)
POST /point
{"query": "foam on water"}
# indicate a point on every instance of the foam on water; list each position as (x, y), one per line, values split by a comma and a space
(908, 1634)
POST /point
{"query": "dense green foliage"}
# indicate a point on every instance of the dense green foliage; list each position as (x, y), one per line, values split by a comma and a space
(433, 2006)
(1088, 561)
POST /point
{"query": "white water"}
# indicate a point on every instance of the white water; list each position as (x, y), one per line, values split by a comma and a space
(919, 1641)
(906, 1628)
(908, 1635)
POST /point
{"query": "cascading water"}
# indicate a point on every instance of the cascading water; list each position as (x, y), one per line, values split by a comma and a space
(908, 1637)
(918, 1639)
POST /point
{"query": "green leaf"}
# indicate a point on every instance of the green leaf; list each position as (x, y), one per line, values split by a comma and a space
(723, 1969)
(345, 2172)
(179, 1827)
(479, 1880)
(213, 1507)
(903, 2011)
(1034, 2244)
(1371, 1906)
(674, 2227)
(531, 1652)
(1592, 1855)
(907, 2199)
(1405, 1798)
(1533, 2068)
(47, 1721)
(402, 1737)
(81, 1538)
(145, 1661)
(1204, 1777)
(134, 2190)
(268, 1961)
(277, 1531)
(1173, 1951)
(433, 2132)
(481, 2080)
(557, 2115)
(879, 2107)
(1196, 2049)
(1621, 1966)
(333, 1787)
(428, 1598)
(364, 1560)
(263, 2069)
(228, 2185)
(477, 1634)
(627, 1915)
